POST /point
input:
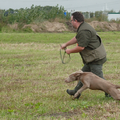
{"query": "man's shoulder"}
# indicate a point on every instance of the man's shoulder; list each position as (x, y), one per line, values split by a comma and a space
(86, 26)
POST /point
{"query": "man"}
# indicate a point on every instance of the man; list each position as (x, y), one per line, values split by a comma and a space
(90, 47)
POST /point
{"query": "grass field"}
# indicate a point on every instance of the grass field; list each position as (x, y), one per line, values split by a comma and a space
(32, 78)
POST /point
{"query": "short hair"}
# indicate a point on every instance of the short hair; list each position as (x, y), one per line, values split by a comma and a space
(78, 16)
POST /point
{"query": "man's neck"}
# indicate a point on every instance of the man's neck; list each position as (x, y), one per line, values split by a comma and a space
(78, 24)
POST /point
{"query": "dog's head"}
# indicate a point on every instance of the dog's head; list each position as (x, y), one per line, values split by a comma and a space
(74, 76)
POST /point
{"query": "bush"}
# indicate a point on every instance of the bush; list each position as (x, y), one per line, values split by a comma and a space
(29, 15)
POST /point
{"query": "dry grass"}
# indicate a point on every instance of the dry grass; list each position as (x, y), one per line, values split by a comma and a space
(32, 83)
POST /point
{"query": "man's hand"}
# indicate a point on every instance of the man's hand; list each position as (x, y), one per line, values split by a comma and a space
(63, 46)
(71, 42)
(68, 51)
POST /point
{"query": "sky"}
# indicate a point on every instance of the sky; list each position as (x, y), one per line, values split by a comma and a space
(69, 5)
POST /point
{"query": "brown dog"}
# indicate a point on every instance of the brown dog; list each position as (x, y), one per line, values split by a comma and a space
(93, 82)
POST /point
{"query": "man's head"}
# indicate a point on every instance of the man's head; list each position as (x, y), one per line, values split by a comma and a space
(78, 16)
(76, 19)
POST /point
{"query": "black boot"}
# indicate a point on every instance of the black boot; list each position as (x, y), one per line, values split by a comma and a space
(72, 92)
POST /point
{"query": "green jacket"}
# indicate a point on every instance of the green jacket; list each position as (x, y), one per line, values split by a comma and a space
(94, 51)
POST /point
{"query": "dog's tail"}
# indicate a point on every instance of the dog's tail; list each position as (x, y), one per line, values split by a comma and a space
(117, 86)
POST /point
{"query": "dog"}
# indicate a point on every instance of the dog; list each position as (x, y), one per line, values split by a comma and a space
(93, 82)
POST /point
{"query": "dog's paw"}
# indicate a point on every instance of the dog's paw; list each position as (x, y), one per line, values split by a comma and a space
(76, 95)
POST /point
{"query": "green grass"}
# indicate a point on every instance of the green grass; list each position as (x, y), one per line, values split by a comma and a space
(35, 37)
(32, 77)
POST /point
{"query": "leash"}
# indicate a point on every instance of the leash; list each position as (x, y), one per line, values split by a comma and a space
(62, 56)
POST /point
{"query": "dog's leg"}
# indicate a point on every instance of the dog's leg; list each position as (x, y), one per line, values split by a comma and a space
(84, 87)
(115, 93)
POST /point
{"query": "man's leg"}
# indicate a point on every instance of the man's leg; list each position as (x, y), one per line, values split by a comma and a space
(86, 68)
(97, 70)
(79, 85)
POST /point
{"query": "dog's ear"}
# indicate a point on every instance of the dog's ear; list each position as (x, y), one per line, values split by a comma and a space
(77, 75)
(79, 72)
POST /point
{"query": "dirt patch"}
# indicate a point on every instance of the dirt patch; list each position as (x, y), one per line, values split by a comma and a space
(13, 26)
(63, 115)
(47, 27)
(55, 26)
(99, 26)
(66, 114)
(98, 112)
(61, 27)
(105, 26)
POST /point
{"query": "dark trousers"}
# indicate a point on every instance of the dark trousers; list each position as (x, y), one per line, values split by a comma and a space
(96, 69)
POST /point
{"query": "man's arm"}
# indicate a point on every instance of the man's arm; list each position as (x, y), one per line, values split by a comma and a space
(74, 50)
(72, 41)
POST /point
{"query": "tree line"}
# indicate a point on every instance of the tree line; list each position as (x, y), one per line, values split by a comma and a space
(32, 14)
(40, 13)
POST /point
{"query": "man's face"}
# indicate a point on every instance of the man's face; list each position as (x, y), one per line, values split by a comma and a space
(73, 22)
